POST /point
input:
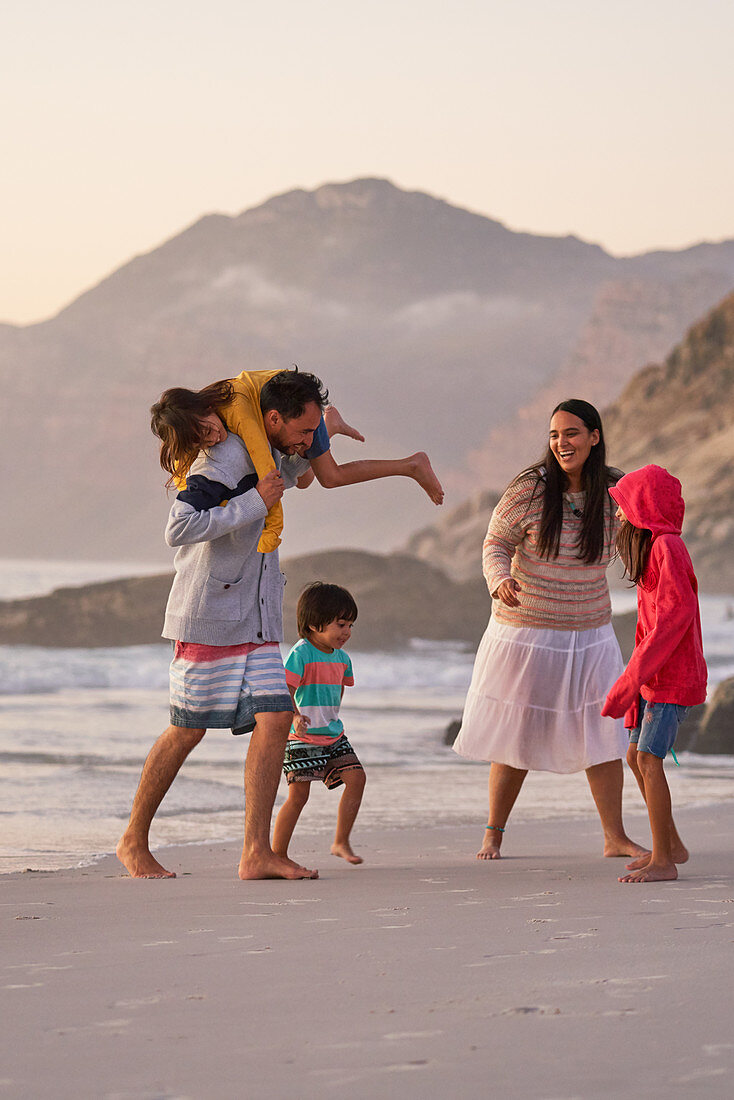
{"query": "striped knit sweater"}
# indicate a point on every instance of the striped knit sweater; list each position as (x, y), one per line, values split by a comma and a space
(560, 593)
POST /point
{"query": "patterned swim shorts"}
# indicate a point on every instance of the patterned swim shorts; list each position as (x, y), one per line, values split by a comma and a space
(305, 763)
(224, 687)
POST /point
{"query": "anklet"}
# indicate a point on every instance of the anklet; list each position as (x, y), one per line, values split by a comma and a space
(497, 827)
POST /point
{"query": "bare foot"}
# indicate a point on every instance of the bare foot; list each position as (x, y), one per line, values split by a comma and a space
(345, 852)
(269, 865)
(679, 854)
(654, 872)
(491, 847)
(138, 861)
(423, 473)
(623, 846)
(337, 425)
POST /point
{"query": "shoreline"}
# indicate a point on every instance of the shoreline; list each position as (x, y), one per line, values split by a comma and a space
(450, 792)
(424, 971)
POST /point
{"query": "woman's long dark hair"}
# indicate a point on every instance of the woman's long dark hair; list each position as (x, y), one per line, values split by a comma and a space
(176, 418)
(633, 549)
(596, 478)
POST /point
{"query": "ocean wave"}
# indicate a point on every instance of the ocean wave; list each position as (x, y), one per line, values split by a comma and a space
(35, 670)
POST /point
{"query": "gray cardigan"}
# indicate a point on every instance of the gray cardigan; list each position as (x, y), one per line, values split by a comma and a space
(225, 592)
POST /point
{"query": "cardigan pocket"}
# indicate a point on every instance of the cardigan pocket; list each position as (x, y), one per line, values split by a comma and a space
(221, 601)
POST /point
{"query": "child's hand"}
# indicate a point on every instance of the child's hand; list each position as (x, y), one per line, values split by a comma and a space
(271, 488)
(507, 593)
(300, 725)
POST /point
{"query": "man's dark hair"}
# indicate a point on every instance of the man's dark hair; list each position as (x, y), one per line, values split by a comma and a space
(290, 391)
(320, 604)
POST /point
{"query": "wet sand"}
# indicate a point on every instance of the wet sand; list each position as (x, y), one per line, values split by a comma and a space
(423, 973)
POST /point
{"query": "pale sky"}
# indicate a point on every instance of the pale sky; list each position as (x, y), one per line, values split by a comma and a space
(125, 122)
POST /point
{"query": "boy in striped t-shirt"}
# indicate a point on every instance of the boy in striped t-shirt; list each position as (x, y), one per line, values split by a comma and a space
(317, 670)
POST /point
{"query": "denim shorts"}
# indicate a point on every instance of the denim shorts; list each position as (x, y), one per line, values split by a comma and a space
(658, 727)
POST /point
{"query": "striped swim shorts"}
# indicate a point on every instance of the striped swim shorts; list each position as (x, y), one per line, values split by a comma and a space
(224, 687)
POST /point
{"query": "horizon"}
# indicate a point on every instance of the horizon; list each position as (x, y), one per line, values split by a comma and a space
(557, 120)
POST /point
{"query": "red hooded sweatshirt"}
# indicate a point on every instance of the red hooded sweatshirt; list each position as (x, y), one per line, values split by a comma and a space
(667, 665)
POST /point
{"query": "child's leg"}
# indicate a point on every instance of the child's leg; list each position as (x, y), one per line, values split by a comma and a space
(661, 866)
(349, 804)
(678, 849)
(288, 815)
(331, 475)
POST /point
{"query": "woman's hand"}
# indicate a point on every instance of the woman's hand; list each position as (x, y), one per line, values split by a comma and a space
(506, 592)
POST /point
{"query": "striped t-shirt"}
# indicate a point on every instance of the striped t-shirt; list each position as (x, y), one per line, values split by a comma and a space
(562, 593)
(317, 679)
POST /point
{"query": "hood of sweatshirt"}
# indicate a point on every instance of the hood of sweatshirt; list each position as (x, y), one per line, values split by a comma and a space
(651, 498)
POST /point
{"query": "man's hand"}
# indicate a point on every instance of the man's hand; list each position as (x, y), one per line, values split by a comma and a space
(271, 488)
(507, 593)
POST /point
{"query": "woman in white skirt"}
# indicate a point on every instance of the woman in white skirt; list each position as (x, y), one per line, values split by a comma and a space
(549, 654)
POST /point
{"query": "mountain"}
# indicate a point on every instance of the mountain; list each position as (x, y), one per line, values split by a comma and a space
(431, 325)
(678, 414)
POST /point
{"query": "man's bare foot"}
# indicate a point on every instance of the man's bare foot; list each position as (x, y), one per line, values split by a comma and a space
(138, 861)
(345, 852)
(337, 425)
(269, 865)
(422, 471)
(654, 872)
(623, 846)
(679, 854)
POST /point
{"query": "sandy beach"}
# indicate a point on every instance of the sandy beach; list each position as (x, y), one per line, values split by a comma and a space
(420, 974)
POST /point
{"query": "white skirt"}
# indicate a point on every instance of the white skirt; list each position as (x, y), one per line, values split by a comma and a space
(535, 699)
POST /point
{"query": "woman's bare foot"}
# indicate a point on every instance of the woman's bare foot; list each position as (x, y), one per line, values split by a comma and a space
(422, 471)
(653, 872)
(270, 865)
(345, 852)
(623, 846)
(680, 854)
(337, 425)
(491, 847)
(138, 861)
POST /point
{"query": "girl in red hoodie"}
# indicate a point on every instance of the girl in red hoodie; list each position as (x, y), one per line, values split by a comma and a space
(666, 673)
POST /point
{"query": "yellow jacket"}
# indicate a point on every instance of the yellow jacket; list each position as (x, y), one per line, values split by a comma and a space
(244, 417)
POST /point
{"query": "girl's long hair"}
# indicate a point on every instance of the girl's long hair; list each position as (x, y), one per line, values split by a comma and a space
(596, 478)
(176, 420)
(633, 549)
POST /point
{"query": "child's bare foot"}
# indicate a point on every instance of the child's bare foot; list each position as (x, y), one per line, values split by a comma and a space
(345, 852)
(680, 854)
(653, 872)
(623, 846)
(337, 425)
(270, 865)
(422, 471)
(138, 861)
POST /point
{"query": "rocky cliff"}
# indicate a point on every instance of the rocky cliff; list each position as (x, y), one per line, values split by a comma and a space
(679, 414)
